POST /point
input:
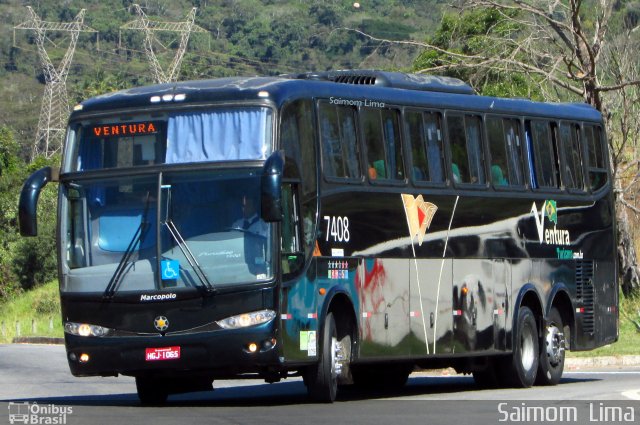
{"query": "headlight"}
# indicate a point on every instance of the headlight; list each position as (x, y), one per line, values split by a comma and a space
(247, 319)
(84, 329)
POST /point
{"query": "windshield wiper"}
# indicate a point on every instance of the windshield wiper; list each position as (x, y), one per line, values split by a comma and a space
(124, 264)
(182, 244)
(191, 259)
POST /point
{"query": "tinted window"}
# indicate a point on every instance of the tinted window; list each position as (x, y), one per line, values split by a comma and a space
(297, 137)
(595, 149)
(298, 141)
(339, 142)
(572, 166)
(505, 144)
(514, 152)
(466, 149)
(544, 154)
(425, 137)
(382, 139)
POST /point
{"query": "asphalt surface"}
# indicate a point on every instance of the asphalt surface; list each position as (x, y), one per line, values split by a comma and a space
(36, 381)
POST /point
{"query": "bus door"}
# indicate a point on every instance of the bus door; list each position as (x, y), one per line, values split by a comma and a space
(384, 307)
(430, 315)
(299, 319)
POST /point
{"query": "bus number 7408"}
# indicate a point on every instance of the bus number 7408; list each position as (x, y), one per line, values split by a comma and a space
(337, 228)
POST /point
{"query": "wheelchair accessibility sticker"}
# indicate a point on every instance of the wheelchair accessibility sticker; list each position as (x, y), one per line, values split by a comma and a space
(170, 269)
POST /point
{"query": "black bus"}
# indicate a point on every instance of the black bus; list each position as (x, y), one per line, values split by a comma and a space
(343, 226)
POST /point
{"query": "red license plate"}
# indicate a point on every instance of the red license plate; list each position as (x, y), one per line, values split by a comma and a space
(164, 353)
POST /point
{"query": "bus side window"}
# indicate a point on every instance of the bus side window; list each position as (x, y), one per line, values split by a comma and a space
(297, 138)
(498, 152)
(382, 141)
(514, 151)
(571, 160)
(415, 130)
(544, 157)
(595, 149)
(435, 152)
(466, 149)
(425, 138)
(455, 127)
(505, 145)
(339, 142)
(474, 149)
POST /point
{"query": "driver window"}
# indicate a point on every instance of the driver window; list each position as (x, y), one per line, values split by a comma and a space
(292, 254)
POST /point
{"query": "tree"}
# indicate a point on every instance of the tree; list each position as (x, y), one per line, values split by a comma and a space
(568, 50)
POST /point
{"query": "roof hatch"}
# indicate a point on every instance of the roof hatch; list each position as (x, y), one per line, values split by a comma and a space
(397, 80)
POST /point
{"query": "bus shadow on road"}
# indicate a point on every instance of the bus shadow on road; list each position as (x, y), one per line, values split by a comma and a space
(294, 393)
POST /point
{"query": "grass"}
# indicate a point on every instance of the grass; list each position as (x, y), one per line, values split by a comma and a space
(629, 338)
(41, 307)
(35, 311)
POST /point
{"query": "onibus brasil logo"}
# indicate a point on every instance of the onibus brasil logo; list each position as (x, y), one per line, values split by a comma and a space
(33, 413)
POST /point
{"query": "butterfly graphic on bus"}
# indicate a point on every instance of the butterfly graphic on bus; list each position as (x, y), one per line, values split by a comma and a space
(419, 215)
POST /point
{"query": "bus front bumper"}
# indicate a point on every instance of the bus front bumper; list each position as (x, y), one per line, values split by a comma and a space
(220, 353)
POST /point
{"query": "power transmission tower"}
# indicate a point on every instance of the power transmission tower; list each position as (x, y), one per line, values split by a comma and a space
(149, 27)
(55, 103)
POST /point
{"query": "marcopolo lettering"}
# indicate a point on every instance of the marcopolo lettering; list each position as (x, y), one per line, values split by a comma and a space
(158, 297)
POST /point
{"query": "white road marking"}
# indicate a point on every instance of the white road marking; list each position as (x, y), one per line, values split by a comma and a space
(631, 395)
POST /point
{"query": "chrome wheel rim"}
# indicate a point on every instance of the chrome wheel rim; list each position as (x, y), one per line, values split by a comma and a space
(336, 358)
(554, 345)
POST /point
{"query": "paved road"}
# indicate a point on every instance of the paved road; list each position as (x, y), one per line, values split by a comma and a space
(39, 374)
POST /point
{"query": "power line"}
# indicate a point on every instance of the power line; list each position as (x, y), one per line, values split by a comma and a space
(55, 103)
(148, 27)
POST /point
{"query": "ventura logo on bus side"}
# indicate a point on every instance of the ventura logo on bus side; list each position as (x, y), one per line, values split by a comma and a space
(553, 236)
(354, 102)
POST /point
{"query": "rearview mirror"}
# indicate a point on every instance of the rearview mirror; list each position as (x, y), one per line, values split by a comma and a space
(28, 204)
(271, 188)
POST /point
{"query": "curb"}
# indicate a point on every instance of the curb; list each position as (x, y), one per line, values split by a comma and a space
(38, 340)
(574, 363)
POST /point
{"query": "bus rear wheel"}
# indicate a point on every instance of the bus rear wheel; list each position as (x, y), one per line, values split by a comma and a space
(321, 379)
(552, 350)
(151, 392)
(522, 366)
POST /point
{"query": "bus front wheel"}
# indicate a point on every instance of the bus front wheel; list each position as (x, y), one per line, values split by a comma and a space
(523, 362)
(322, 378)
(551, 350)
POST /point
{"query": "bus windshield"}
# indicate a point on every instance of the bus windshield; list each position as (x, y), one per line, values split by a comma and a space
(212, 135)
(164, 231)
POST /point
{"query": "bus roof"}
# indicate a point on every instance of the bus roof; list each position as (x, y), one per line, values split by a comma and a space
(390, 88)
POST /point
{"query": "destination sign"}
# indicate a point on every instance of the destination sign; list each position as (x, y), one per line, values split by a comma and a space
(125, 129)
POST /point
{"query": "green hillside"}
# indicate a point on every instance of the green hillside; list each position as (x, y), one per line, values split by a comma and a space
(245, 37)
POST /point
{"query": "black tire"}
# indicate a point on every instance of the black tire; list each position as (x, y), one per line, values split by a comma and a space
(551, 350)
(151, 392)
(321, 379)
(522, 364)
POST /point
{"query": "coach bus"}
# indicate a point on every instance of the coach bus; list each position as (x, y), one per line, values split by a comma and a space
(347, 227)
